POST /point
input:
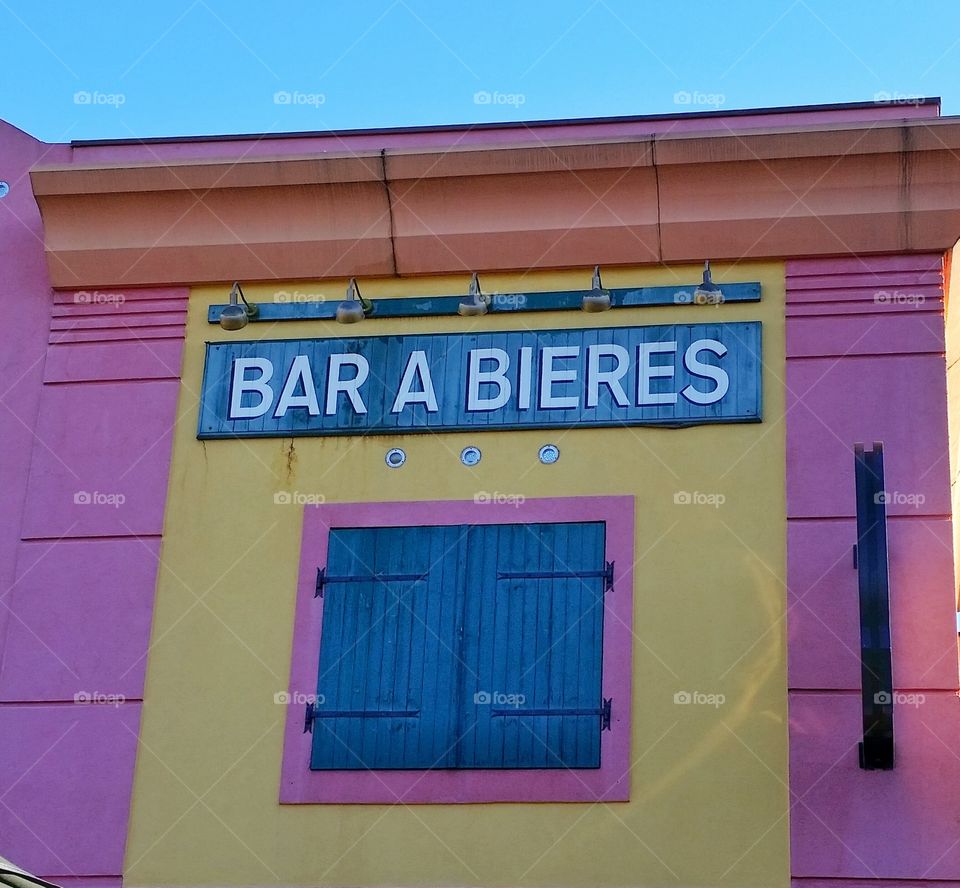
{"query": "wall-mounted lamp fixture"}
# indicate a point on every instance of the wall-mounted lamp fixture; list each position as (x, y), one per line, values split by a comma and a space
(354, 308)
(474, 303)
(707, 293)
(235, 316)
(596, 298)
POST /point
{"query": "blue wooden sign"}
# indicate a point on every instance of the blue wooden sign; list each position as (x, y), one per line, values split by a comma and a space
(671, 375)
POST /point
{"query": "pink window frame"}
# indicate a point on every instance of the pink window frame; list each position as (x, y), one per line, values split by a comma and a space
(609, 782)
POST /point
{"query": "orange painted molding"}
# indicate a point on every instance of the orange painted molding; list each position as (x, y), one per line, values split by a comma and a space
(826, 190)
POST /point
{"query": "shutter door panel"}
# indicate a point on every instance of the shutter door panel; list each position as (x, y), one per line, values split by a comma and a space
(380, 651)
(539, 637)
(499, 610)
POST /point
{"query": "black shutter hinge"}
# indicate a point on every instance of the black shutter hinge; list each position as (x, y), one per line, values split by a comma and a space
(313, 713)
(606, 574)
(605, 712)
(323, 579)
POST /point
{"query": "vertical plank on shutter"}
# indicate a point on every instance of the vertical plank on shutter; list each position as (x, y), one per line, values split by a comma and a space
(587, 689)
(426, 644)
(343, 732)
(497, 637)
(563, 654)
(361, 695)
(514, 644)
(591, 680)
(440, 669)
(330, 672)
(386, 596)
(531, 675)
(544, 694)
(402, 559)
(439, 721)
(366, 675)
(455, 703)
(473, 727)
(490, 731)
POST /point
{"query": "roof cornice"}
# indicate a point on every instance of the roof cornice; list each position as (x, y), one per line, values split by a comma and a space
(887, 186)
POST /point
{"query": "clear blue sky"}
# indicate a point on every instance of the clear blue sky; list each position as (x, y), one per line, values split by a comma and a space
(185, 67)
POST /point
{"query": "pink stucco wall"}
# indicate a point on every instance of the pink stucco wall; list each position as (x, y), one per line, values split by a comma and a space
(89, 403)
(865, 363)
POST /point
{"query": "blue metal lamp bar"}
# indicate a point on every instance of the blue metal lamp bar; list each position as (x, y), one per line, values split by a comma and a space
(500, 303)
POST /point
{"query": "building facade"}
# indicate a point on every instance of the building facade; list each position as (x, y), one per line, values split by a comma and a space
(484, 588)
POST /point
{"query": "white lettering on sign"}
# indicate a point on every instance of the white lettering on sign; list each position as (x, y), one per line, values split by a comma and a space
(525, 377)
(299, 375)
(239, 385)
(349, 387)
(551, 375)
(477, 377)
(647, 371)
(610, 378)
(705, 371)
(417, 369)
(612, 381)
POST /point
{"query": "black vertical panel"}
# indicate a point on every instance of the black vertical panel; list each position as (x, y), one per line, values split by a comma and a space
(876, 670)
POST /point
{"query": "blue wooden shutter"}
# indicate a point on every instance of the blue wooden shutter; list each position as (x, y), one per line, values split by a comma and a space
(387, 653)
(461, 647)
(532, 651)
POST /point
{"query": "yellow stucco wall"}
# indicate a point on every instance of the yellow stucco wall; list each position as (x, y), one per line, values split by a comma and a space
(709, 799)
